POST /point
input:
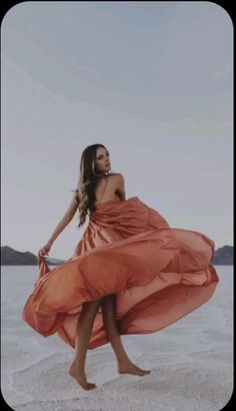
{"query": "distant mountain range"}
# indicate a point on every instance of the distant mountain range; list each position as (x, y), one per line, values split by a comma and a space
(9, 256)
(224, 256)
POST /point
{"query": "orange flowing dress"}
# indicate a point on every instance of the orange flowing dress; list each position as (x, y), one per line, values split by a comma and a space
(158, 274)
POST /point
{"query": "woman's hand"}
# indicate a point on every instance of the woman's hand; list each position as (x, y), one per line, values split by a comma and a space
(44, 250)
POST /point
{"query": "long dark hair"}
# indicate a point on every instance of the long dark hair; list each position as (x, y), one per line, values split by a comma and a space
(88, 180)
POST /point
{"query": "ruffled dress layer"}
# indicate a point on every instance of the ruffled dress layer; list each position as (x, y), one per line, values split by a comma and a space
(158, 274)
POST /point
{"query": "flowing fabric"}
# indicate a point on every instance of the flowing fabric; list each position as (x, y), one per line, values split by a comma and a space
(158, 274)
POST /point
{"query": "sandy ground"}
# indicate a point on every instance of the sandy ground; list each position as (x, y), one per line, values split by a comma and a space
(191, 360)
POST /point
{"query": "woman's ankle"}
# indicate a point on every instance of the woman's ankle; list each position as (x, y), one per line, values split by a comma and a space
(123, 359)
(79, 365)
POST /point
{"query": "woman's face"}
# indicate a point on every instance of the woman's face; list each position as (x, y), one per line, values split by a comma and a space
(102, 160)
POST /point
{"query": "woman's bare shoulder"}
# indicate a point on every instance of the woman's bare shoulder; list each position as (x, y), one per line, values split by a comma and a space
(117, 179)
(117, 175)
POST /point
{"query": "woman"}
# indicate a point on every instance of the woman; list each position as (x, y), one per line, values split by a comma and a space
(143, 274)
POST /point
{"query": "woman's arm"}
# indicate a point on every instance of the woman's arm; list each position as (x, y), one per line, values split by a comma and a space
(69, 214)
(59, 228)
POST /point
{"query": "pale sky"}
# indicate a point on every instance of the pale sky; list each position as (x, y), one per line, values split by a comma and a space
(152, 81)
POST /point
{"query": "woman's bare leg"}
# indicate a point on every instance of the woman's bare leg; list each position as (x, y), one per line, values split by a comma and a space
(83, 333)
(125, 366)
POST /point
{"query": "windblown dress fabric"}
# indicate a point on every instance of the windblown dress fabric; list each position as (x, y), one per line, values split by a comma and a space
(158, 274)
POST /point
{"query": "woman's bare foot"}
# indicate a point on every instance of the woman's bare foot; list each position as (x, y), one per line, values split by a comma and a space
(127, 367)
(80, 377)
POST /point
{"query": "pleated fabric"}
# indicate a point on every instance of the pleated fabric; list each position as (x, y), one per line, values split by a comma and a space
(158, 274)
